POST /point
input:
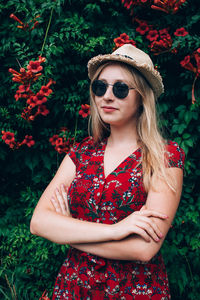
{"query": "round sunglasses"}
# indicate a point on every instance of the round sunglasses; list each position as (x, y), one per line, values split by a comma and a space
(120, 89)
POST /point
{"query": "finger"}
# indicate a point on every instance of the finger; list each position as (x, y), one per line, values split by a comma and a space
(152, 213)
(64, 194)
(150, 230)
(56, 205)
(156, 229)
(61, 201)
(152, 224)
(64, 190)
(143, 208)
(141, 232)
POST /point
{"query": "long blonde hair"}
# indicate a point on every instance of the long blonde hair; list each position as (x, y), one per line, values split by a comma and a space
(151, 141)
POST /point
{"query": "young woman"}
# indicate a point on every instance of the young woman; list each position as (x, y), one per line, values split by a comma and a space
(116, 193)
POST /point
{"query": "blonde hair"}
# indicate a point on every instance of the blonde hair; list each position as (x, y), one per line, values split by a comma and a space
(152, 143)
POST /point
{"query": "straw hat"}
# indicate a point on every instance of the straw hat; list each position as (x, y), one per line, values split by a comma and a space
(134, 57)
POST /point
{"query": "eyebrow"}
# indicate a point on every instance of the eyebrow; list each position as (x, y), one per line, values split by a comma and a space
(116, 80)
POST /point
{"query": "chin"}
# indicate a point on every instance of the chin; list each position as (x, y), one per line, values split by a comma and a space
(115, 123)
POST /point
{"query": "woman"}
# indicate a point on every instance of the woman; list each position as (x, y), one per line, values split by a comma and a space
(123, 187)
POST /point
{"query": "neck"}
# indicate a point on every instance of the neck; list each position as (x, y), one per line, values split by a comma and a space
(123, 135)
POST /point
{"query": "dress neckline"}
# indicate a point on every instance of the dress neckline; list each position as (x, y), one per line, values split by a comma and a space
(132, 155)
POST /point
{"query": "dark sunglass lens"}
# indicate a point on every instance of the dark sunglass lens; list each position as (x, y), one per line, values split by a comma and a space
(120, 90)
(99, 88)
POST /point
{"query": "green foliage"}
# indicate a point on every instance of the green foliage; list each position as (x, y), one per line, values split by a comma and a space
(78, 31)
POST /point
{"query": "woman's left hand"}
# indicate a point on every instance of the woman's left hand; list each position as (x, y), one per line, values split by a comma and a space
(60, 201)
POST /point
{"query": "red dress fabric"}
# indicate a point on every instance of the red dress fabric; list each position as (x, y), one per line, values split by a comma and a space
(94, 198)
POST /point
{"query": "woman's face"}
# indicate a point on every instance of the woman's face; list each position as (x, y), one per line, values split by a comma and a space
(112, 110)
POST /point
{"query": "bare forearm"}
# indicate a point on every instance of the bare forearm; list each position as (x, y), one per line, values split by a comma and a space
(130, 248)
(66, 230)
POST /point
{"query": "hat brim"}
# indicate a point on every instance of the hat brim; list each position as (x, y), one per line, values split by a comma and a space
(152, 75)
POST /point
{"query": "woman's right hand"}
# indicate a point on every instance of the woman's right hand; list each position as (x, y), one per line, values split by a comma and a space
(60, 201)
(140, 223)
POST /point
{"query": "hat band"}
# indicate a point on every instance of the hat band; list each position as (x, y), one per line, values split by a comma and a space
(126, 56)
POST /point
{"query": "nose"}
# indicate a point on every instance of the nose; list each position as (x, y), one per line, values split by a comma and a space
(109, 96)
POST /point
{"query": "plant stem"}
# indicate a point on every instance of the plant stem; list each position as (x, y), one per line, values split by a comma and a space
(18, 63)
(47, 30)
(75, 130)
(11, 289)
(190, 270)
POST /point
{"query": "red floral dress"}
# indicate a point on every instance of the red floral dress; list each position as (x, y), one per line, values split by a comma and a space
(94, 198)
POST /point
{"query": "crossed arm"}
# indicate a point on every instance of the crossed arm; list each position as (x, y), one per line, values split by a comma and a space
(138, 237)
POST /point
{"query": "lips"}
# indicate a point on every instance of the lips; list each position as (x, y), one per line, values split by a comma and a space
(108, 108)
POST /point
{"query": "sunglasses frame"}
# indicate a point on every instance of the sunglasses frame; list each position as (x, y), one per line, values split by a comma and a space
(113, 89)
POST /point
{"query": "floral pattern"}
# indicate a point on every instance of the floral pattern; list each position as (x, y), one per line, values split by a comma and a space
(94, 198)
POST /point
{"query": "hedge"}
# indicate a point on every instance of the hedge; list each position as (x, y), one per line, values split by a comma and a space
(41, 121)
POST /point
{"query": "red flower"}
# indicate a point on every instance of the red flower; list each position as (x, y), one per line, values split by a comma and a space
(161, 46)
(59, 141)
(129, 3)
(142, 28)
(34, 66)
(167, 6)
(181, 32)
(41, 59)
(85, 110)
(39, 98)
(152, 35)
(44, 296)
(28, 140)
(62, 142)
(53, 139)
(164, 33)
(123, 39)
(45, 90)
(18, 95)
(26, 78)
(25, 26)
(185, 63)
(12, 16)
(35, 25)
(197, 58)
(32, 101)
(42, 110)
(8, 137)
(22, 88)
(63, 146)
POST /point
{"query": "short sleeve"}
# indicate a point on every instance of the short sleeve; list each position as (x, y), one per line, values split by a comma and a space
(78, 149)
(175, 155)
(74, 153)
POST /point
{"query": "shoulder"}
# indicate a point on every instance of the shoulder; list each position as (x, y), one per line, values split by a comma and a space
(175, 155)
(80, 149)
(86, 143)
